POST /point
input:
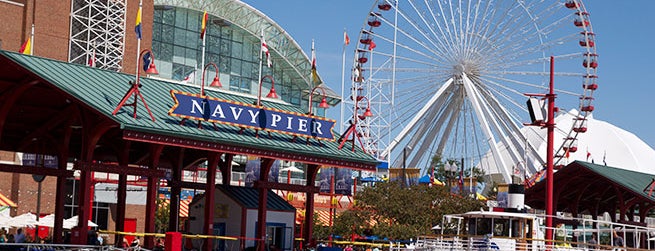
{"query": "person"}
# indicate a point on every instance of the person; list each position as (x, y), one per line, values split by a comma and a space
(618, 240)
(593, 242)
(20, 236)
(135, 243)
(159, 245)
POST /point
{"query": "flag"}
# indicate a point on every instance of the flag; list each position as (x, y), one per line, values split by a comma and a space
(137, 27)
(346, 39)
(371, 46)
(266, 51)
(314, 73)
(604, 155)
(26, 48)
(588, 154)
(92, 58)
(189, 78)
(566, 153)
(147, 59)
(203, 28)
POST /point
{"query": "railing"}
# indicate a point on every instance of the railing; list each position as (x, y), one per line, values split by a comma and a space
(479, 243)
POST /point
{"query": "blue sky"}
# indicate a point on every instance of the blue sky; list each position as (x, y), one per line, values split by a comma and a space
(623, 44)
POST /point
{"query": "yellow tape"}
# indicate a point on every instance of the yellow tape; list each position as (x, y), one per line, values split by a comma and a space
(192, 236)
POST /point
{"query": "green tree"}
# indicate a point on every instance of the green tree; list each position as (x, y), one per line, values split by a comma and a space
(388, 210)
(162, 215)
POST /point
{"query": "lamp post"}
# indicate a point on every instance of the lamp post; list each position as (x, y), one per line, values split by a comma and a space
(215, 83)
(404, 160)
(149, 68)
(323, 103)
(271, 93)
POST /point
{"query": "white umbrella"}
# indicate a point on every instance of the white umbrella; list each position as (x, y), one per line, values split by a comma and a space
(47, 221)
(23, 220)
(5, 220)
(292, 169)
(72, 222)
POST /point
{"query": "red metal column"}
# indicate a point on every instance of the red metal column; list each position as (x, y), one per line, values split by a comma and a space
(121, 199)
(60, 198)
(120, 206)
(226, 169)
(550, 125)
(308, 230)
(260, 234)
(151, 196)
(210, 189)
(176, 189)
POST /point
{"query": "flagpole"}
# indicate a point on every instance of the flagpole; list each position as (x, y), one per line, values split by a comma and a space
(32, 40)
(343, 78)
(202, 60)
(259, 78)
(138, 44)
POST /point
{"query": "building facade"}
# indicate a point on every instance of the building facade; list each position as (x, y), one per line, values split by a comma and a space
(102, 31)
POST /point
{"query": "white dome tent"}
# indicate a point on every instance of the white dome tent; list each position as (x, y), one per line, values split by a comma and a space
(603, 143)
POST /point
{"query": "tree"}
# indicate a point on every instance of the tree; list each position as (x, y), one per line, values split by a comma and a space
(388, 210)
(162, 215)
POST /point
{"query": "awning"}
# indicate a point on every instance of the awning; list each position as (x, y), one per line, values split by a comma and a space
(6, 202)
(184, 207)
(323, 216)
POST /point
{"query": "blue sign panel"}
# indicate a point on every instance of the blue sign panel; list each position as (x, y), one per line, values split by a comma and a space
(215, 110)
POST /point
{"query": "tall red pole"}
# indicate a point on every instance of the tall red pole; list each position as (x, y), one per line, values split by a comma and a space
(550, 124)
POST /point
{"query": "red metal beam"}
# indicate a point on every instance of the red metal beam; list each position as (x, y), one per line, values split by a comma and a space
(219, 147)
(116, 168)
(35, 170)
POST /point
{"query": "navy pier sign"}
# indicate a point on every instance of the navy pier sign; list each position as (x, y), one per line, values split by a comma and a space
(215, 110)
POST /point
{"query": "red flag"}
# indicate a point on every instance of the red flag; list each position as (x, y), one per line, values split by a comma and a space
(346, 39)
(588, 155)
(26, 48)
(203, 28)
(371, 46)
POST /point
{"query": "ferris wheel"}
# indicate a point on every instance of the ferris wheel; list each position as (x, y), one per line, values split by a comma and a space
(449, 78)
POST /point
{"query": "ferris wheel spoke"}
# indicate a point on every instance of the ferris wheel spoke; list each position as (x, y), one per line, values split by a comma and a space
(409, 48)
(521, 49)
(432, 49)
(441, 47)
(540, 87)
(543, 60)
(450, 116)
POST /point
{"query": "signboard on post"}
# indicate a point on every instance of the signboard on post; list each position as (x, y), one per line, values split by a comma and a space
(215, 110)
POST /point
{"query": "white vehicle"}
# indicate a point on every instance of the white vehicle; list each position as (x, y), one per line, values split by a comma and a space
(491, 230)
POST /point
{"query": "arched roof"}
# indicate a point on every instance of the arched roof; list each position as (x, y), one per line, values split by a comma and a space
(253, 21)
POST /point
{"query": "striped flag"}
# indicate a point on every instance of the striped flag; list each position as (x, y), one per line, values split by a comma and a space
(26, 48)
(203, 28)
(138, 27)
(269, 63)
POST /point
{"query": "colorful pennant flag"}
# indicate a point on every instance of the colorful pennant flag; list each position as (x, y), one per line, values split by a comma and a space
(203, 28)
(137, 27)
(26, 48)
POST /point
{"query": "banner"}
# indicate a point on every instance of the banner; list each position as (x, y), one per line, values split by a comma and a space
(253, 167)
(342, 180)
(215, 110)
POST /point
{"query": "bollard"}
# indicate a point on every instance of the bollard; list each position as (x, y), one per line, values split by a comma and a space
(173, 241)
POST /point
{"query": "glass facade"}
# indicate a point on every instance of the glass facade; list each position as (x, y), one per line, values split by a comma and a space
(178, 48)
